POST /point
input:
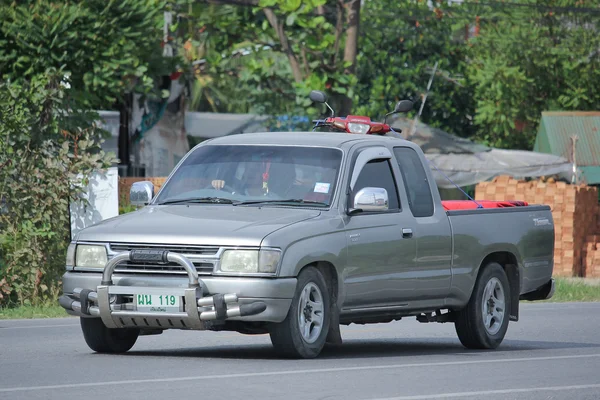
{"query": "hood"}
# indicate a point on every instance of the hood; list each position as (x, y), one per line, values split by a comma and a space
(196, 224)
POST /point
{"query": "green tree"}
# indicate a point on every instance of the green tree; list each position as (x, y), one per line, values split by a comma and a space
(105, 48)
(400, 43)
(46, 156)
(267, 56)
(529, 57)
(279, 50)
(58, 60)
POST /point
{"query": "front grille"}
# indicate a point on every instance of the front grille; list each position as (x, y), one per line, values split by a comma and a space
(185, 250)
(168, 268)
(162, 268)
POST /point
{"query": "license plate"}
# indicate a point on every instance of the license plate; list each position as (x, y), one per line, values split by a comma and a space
(159, 303)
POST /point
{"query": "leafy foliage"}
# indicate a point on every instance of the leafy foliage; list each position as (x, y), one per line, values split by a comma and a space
(106, 48)
(528, 59)
(58, 60)
(266, 59)
(401, 43)
(46, 156)
(501, 63)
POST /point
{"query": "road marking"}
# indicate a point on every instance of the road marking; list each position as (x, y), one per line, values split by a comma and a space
(291, 372)
(492, 392)
(35, 326)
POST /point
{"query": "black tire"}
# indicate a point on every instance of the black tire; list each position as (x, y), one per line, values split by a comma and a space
(104, 340)
(470, 323)
(287, 338)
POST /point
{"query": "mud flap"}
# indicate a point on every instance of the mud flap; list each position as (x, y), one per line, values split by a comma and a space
(334, 336)
(514, 280)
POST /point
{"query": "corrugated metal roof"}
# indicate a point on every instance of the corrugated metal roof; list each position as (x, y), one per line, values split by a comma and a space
(554, 136)
(591, 174)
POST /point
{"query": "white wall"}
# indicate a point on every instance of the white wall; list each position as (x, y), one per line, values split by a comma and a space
(102, 194)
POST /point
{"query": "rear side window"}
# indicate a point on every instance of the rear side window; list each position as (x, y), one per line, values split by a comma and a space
(378, 173)
(415, 182)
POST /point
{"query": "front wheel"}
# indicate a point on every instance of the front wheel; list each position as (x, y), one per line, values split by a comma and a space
(483, 323)
(105, 340)
(303, 332)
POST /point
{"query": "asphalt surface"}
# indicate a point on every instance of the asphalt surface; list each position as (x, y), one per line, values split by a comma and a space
(553, 352)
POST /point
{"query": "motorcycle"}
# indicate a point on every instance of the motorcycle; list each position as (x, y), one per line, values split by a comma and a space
(355, 123)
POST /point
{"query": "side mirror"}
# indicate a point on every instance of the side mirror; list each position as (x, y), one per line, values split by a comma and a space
(403, 106)
(141, 193)
(318, 97)
(371, 199)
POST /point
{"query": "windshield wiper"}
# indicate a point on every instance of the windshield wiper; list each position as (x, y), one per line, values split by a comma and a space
(293, 201)
(215, 200)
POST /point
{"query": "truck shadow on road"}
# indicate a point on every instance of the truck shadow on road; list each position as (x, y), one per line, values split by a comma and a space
(364, 349)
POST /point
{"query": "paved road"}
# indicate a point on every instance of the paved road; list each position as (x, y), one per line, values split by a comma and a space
(552, 353)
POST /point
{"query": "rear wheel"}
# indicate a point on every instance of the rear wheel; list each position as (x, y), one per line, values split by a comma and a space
(483, 323)
(104, 340)
(303, 332)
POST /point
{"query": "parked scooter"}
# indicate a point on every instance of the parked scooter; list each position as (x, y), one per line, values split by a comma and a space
(356, 123)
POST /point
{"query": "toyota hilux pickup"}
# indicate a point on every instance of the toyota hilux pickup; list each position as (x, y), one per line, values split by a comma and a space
(293, 234)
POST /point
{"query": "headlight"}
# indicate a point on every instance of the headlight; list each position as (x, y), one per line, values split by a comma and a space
(250, 261)
(358, 128)
(90, 256)
(71, 255)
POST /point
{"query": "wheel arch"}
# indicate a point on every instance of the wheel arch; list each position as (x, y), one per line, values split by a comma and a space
(335, 286)
(509, 263)
(331, 276)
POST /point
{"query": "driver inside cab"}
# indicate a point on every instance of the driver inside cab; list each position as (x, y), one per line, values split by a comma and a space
(251, 182)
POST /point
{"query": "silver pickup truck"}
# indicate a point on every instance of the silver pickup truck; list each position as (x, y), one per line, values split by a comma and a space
(294, 234)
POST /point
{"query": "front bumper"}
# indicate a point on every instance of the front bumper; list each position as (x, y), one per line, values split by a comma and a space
(202, 301)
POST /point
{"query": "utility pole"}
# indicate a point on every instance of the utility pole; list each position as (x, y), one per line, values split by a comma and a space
(574, 178)
(414, 124)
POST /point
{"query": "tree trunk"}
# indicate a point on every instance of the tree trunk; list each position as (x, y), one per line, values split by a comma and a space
(285, 45)
(351, 49)
(123, 146)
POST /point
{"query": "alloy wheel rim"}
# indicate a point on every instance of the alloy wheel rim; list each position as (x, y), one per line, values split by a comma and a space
(493, 306)
(311, 313)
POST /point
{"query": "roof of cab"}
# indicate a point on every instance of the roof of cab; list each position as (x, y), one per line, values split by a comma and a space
(325, 139)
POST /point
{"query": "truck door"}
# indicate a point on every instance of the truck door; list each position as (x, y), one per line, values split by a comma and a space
(431, 229)
(380, 257)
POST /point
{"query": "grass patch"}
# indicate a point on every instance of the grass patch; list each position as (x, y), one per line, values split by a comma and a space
(26, 312)
(576, 289)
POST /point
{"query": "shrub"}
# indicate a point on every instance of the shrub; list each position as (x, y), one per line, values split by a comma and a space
(47, 152)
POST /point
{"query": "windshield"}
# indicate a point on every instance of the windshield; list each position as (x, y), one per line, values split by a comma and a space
(255, 173)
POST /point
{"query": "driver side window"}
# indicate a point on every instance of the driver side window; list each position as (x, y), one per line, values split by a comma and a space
(378, 173)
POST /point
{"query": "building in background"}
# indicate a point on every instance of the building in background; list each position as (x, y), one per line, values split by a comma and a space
(574, 135)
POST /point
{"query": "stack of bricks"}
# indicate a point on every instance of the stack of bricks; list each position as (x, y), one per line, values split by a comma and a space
(575, 212)
(591, 262)
(125, 186)
(592, 257)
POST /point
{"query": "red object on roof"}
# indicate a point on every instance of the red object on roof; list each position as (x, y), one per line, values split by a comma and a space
(471, 205)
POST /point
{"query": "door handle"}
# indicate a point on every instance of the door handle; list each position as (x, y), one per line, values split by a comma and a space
(407, 233)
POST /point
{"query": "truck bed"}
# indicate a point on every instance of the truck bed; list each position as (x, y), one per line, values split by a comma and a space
(523, 233)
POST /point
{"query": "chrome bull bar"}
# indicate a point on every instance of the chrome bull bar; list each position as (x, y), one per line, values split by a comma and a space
(195, 308)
